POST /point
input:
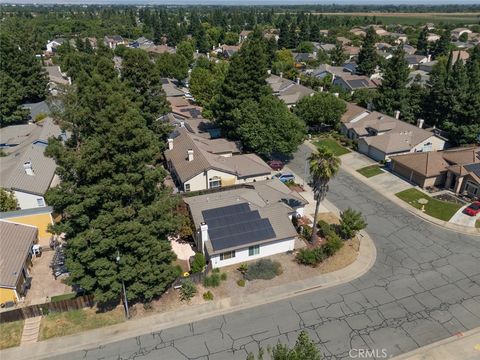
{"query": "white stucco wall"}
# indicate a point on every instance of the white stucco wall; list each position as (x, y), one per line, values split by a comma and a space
(28, 201)
(201, 181)
(268, 249)
(437, 144)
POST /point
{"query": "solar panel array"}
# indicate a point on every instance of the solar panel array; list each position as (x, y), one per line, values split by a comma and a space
(475, 168)
(236, 225)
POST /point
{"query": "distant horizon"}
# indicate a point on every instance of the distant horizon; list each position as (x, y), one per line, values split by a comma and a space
(244, 2)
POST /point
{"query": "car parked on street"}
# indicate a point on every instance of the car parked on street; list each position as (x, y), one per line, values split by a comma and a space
(276, 165)
(287, 177)
(473, 209)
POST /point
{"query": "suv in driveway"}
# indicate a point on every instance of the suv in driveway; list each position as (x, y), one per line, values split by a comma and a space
(284, 177)
(276, 165)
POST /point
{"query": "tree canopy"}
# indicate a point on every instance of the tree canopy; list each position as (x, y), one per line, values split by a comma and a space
(321, 109)
(368, 58)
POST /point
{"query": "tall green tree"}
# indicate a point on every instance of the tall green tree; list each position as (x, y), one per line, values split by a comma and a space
(422, 43)
(337, 55)
(442, 46)
(368, 58)
(321, 109)
(324, 165)
(393, 93)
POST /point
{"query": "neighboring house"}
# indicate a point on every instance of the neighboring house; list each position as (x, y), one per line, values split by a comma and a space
(113, 41)
(52, 45)
(302, 58)
(409, 49)
(351, 51)
(399, 38)
(141, 42)
(380, 136)
(40, 218)
(455, 169)
(474, 38)
(358, 32)
(245, 223)
(415, 60)
(384, 54)
(351, 82)
(460, 55)
(418, 76)
(271, 34)
(383, 46)
(16, 243)
(57, 79)
(228, 51)
(171, 88)
(290, 92)
(26, 170)
(456, 33)
(432, 37)
(243, 35)
(343, 40)
(160, 49)
(327, 47)
(197, 164)
(428, 66)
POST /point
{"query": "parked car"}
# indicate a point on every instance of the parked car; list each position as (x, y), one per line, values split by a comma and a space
(276, 165)
(284, 177)
(473, 209)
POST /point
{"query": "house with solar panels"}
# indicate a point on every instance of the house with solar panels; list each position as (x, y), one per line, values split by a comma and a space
(246, 222)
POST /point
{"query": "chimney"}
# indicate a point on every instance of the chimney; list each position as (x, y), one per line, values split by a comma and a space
(190, 154)
(182, 123)
(420, 123)
(281, 74)
(269, 72)
(27, 166)
(298, 80)
(203, 236)
(396, 114)
(170, 143)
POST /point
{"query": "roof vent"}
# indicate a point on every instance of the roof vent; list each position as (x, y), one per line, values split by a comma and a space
(27, 166)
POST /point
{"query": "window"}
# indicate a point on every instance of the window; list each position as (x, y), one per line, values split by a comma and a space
(214, 182)
(187, 187)
(227, 255)
(254, 250)
(427, 147)
(40, 202)
(471, 188)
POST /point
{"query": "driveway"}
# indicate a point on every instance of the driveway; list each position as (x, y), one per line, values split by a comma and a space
(423, 287)
(463, 219)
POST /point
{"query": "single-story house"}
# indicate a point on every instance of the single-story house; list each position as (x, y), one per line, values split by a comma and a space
(409, 49)
(16, 241)
(160, 49)
(171, 88)
(399, 38)
(244, 35)
(456, 33)
(142, 43)
(358, 32)
(462, 55)
(26, 171)
(380, 136)
(418, 76)
(415, 60)
(198, 164)
(351, 51)
(41, 218)
(113, 41)
(52, 45)
(290, 92)
(455, 169)
(245, 223)
(428, 66)
(351, 82)
(431, 37)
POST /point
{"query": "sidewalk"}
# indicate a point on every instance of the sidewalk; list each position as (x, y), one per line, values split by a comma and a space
(388, 185)
(154, 323)
(463, 346)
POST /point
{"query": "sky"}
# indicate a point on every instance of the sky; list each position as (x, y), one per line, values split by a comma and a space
(244, 2)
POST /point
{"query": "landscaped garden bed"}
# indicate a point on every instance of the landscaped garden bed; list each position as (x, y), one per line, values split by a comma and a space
(333, 145)
(370, 171)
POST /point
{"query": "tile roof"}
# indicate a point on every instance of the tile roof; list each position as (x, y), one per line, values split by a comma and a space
(287, 90)
(15, 244)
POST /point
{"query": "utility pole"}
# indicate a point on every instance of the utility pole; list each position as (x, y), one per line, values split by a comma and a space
(125, 301)
(305, 170)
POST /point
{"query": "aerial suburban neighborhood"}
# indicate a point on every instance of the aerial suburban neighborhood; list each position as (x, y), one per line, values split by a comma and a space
(240, 181)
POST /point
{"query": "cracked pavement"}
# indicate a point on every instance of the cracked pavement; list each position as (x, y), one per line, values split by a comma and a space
(424, 287)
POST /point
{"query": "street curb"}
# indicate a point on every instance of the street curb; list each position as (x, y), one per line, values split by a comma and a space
(155, 323)
(437, 354)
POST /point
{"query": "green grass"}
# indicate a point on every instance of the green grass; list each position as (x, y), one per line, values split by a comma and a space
(333, 145)
(439, 209)
(369, 171)
(11, 334)
(63, 297)
(75, 321)
(477, 224)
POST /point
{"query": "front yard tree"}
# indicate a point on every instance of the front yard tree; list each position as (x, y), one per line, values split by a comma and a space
(8, 202)
(324, 165)
(321, 109)
(351, 221)
(368, 58)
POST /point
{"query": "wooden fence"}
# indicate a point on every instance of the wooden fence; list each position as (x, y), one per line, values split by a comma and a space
(46, 308)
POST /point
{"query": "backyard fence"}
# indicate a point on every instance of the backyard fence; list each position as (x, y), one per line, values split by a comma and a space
(46, 308)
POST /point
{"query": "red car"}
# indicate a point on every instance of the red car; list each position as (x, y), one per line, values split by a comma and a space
(473, 209)
(276, 165)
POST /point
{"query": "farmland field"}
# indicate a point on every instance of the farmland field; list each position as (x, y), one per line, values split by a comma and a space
(416, 18)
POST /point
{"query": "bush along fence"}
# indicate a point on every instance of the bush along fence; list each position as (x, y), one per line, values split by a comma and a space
(26, 312)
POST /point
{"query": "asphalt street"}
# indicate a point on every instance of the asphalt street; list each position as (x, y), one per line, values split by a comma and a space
(424, 287)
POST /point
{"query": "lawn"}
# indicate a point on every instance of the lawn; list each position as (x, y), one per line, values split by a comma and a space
(369, 171)
(439, 209)
(63, 297)
(333, 145)
(75, 321)
(10, 334)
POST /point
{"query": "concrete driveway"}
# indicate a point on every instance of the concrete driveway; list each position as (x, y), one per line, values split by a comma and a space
(463, 219)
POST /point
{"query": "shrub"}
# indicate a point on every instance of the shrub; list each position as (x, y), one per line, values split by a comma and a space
(351, 222)
(243, 268)
(265, 269)
(208, 295)
(324, 228)
(212, 280)
(241, 283)
(147, 306)
(334, 243)
(306, 231)
(216, 270)
(198, 263)
(223, 276)
(188, 290)
(311, 257)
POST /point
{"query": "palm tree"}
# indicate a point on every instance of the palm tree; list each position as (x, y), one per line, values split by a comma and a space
(324, 166)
